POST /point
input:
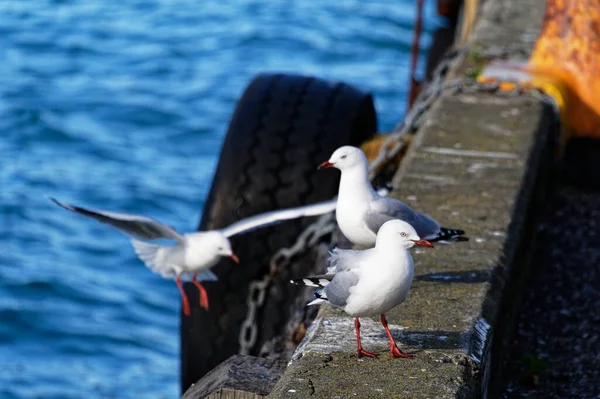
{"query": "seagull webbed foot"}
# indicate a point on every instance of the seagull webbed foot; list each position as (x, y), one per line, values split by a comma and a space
(397, 353)
(361, 352)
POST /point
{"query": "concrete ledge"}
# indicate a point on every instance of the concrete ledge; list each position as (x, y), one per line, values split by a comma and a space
(478, 163)
(454, 305)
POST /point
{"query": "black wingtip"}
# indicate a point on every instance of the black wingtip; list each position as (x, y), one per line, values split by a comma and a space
(66, 206)
(450, 235)
(311, 281)
(452, 232)
(57, 202)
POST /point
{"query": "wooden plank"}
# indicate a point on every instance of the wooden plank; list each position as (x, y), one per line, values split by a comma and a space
(226, 393)
(239, 377)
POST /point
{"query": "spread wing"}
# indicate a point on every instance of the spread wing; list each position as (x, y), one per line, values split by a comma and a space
(383, 209)
(140, 227)
(274, 217)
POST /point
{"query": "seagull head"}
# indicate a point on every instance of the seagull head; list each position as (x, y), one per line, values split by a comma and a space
(346, 157)
(224, 248)
(207, 247)
(398, 230)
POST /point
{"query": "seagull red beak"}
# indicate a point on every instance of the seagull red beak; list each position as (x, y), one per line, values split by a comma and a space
(236, 259)
(325, 165)
(423, 243)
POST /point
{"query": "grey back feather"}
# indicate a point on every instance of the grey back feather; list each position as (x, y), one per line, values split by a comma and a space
(338, 290)
(383, 209)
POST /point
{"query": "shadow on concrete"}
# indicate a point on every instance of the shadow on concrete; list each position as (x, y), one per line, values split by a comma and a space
(465, 276)
(424, 339)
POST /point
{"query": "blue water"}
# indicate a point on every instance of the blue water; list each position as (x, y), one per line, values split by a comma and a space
(123, 105)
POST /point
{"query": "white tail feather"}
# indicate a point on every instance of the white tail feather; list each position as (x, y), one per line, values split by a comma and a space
(316, 302)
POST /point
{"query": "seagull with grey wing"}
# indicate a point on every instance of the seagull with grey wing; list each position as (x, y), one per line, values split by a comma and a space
(193, 254)
(372, 281)
(361, 211)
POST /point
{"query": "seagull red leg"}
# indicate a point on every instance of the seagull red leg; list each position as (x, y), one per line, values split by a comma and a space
(203, 293)
(361, 352)
(186, 303)
(394, 351)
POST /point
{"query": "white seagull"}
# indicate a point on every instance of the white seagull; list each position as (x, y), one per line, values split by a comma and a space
(361, 211)
(193, 254)
(372, 281)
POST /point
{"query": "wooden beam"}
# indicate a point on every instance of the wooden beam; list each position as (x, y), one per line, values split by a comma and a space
(239, 377)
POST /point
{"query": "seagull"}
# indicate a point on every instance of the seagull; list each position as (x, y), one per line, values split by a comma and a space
(372, 281)
(193, 254)
(361, 211)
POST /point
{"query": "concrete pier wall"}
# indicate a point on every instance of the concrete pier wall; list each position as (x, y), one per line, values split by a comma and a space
(480, 162)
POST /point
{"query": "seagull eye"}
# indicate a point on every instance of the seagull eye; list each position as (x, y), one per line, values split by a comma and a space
(403, 234)
(220, 248)
(344, 156)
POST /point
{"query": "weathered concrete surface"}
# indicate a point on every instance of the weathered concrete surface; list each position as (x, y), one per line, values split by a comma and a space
(509, 26)
(449, 173)
(504, 29)
(474, 165)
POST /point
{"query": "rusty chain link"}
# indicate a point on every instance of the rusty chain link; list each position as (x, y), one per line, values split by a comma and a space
(326, 224)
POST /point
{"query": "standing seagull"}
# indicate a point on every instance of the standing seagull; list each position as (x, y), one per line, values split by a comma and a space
(361, 211)
(372, 281)
(193, 254)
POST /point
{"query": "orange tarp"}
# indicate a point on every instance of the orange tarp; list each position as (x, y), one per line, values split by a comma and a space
(567, 56)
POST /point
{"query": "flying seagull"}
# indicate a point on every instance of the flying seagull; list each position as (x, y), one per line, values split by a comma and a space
(193, 254)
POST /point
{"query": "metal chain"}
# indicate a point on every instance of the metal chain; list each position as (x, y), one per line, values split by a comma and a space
(326, 224)
(256, 296)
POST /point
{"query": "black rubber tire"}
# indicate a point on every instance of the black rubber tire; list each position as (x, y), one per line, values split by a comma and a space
(282, 128)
